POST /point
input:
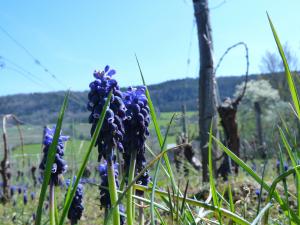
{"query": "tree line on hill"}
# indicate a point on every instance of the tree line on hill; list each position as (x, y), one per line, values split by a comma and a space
(43, 108)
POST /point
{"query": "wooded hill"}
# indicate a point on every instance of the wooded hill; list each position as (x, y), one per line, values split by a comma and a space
(42, 108)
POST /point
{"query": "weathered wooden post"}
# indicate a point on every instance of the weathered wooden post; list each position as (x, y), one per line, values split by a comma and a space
(207, 85)
(261, 143)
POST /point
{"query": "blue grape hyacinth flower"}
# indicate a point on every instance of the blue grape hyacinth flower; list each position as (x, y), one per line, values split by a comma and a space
(136, 129)
(25, 199)
(76, 208)
(112, 131)
(12, 190)
(59, 166)
(32, 195)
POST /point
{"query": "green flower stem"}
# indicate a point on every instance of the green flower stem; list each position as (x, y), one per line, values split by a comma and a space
(113, 191)
(130, 205)
(52, 204)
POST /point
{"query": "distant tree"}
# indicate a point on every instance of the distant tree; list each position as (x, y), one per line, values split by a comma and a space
(271, 105)
(207, 84)
(272, 63)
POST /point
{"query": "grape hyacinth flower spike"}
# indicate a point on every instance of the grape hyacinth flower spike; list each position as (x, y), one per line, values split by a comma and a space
(59, 166)
(136, 133)
(76, 208)
(25, 199)
(112, 130)
(104, 193)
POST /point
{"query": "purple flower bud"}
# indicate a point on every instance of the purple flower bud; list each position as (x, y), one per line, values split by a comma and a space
(32, 195)
(59, 166)
(25, 200)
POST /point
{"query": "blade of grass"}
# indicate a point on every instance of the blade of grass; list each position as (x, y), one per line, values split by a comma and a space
(156, 126)
(294, 163)
(52, 203)
(149, 165)
(153, 154)
(241, 163)
(211, 175)
(225, 212)
(261, 213)
(159, 217)
(184, 197)
(56, 209)
(85, 161)
(288, 74)
(284, 180)
(157, 130)
(50, 160)
(231, 203)
(68, 191)
(170, 205)
(279, 179)
(156, 173)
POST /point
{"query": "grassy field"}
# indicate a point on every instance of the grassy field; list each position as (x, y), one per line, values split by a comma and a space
(16, 212)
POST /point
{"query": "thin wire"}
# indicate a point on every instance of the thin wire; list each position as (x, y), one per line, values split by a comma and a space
(23, 74)
(36, 60)
(26, 71)
(39, 84)
(38, 63)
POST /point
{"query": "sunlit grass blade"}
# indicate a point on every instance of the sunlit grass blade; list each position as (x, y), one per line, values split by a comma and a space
(288, 74)
(159, 217)
(248, 170)
(261, 213)
(222, 199)
(149, 165)
(68, 191)
(177, 203)
(284, 180)
(156, 173)
(231, 203)
(211, 175)
(156, 126)
(145, 200)
(294, 163)
(226, 213)
(52, 203)
(184, 197)
(170, 203)
(153, 154)
(279, 179)
(50, 160)
(56, 209)
(85, 161)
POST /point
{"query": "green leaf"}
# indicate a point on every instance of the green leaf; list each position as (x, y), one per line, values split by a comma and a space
(50, 160)
(149, 165)
(261, 213)
(156, 126)
(294, 163)
(156, 173)
(211, 175)
(248, 170)
(288, 74)
(85, 161)
(225, 212)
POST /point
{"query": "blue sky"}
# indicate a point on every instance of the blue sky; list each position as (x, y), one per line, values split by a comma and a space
(72, 38)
